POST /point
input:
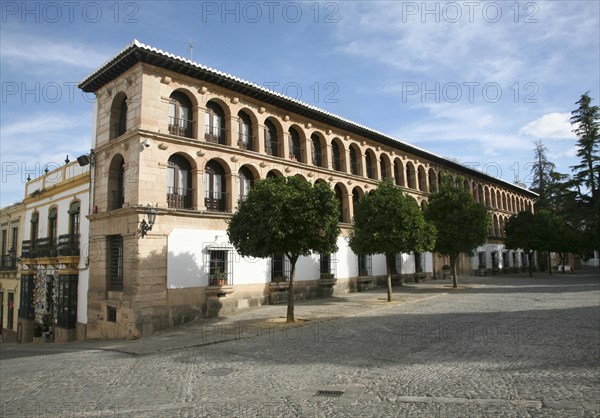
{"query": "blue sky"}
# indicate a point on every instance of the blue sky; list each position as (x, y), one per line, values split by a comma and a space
(476, 82)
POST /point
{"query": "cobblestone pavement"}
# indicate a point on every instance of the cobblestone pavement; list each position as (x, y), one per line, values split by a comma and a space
(508, 346)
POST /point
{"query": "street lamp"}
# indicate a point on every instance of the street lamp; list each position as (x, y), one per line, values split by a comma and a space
(146, 226)
(86, 159)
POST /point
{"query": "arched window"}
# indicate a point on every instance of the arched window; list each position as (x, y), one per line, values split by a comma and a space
(51, 244)
(246, 182)
(34, 229)
(357, 194)
(52, 225)
(340, 197)
(383, 168)
(353, 161)
(180, 115)
(69, 245)
(214, 123)
(179, 182)
(336, 161)
(74, 218)
(245, 131)
(295, 150)
(316, 150)
(410, 176)
(273, 174)
(214, 187)
(432, 181)
(369, 166)
(118, 115)
(398, 172)
(271, 144)
(116, 184)
(422, 179)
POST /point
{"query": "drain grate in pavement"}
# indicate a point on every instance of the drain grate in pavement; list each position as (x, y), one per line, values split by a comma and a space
(220, 371)
(330, 393)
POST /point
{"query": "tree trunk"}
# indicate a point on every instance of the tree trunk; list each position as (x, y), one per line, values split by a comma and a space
(564, 257)
(549, 263)
(290, 307)
(388, 262)
(453, 268)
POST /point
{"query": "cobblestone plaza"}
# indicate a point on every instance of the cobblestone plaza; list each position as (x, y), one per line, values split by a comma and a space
(497, 346)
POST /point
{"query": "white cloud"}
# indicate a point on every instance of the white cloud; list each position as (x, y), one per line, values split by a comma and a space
(550, 126)
(45, 137)
(35, 54)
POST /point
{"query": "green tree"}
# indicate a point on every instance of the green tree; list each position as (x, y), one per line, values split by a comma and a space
(387, 221)
(586, 121)
(522, 232)
(462, 224)
(567, 240)
(542, 174)
(543, 231)
(586, 177)
(286, 216)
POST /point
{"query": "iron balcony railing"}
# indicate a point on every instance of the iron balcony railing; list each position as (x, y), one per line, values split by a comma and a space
(245, 141)
(296, 154)
(46, 247)
(179, 198)
(8, 262)
(68, 245)
(27, 249)
(214, 134)
(180, 127)
(215, 201)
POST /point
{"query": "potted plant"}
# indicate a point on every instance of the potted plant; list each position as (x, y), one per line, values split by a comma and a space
(419, 275)
(278, 279)
(481, 270)
(445, 271)
(220, 278)
(327, 279)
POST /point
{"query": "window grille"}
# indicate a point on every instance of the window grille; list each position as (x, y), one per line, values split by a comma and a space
(67, 301)
(111, 314)
(26, 308)
(328, 263)
(115, 262)
(280, 268)
(365, 265)
(220, 261)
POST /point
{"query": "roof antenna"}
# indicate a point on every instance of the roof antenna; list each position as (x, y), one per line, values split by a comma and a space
(191, 49)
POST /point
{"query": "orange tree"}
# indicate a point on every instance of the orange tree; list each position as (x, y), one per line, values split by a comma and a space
(286, 216)
(387, 221)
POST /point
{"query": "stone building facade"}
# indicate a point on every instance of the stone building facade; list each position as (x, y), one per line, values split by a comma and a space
(11, 228)
(189, 141)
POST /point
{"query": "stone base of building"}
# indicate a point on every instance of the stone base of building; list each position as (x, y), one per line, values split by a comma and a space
(8, 336)
(25, 330)
(63, 335)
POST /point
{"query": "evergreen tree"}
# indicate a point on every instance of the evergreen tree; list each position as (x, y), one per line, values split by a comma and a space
(542, 173)
(586, 120)
(586, 177)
